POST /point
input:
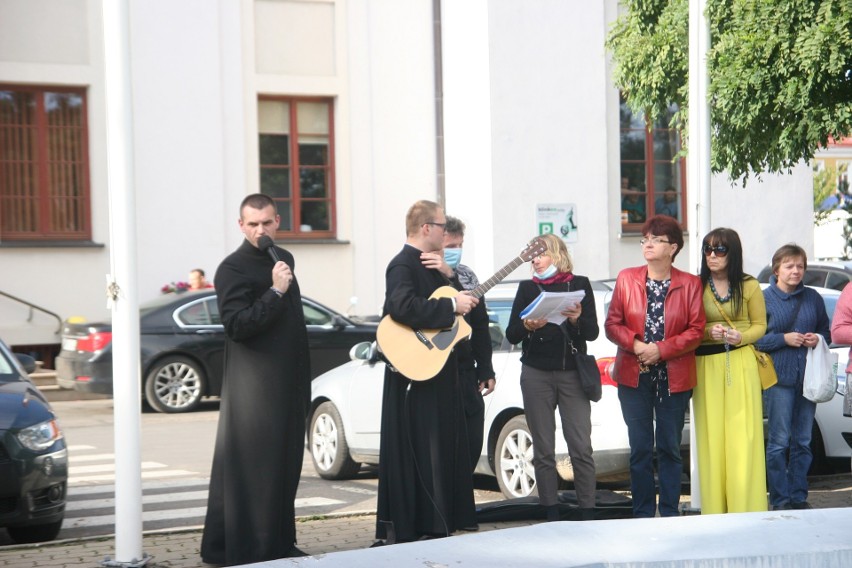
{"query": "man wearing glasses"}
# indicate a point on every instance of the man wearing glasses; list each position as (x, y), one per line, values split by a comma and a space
(425, 486)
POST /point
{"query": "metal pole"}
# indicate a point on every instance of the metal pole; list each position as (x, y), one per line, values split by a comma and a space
(122, 288)
(698, 176)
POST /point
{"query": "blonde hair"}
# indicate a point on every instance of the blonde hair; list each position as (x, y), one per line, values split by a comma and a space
(419, 214)
(558, 253)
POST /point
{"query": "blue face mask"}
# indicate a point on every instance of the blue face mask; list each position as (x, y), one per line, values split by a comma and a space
(452, 257)
(548, 272)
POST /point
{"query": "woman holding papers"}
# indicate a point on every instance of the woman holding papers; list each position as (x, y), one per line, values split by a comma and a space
(656, 319)
(549, 378)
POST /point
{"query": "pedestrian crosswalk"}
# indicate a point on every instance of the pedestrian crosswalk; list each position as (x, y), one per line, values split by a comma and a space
(171, 497)
(87, 468)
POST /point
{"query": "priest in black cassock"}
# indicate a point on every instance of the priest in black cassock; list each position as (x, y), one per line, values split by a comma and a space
(425, 486)
(265, 397)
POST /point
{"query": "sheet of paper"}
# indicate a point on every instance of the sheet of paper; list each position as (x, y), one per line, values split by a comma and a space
(550, 305)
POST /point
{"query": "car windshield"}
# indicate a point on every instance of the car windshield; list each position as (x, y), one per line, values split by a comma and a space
(830, 304)
(498, 318)
(8, 371)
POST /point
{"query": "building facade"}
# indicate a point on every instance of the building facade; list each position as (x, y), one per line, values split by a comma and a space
(346, 112)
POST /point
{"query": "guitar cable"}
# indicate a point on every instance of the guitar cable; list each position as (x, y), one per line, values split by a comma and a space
(414, 459)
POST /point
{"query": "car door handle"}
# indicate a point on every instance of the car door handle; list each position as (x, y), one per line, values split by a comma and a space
(205, 331)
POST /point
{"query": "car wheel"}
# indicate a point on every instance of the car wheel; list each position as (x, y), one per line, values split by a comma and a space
(35, 533)
(174, 384)
(329, 449)
(514, 463)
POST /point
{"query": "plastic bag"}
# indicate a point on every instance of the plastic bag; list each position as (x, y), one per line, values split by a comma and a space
(820, 373)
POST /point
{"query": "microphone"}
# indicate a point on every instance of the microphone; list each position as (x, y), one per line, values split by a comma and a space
(265, 243)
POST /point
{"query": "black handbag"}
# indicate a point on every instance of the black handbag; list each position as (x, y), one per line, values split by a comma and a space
(587, 368)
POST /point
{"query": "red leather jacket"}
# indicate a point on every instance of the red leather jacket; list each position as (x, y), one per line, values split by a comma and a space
(684, 323)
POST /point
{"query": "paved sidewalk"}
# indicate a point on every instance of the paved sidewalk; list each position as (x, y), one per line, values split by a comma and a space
(179, 549)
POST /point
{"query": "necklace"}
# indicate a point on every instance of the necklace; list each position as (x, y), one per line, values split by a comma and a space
(727, 298)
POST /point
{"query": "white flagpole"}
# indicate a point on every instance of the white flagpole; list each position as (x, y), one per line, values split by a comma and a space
(122, 288)
(698, 175)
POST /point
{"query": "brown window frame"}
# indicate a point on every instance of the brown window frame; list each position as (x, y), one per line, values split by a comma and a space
(49, 170)
(296, 200)
(648, 190)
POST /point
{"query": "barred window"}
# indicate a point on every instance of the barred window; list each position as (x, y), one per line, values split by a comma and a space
(44, 165)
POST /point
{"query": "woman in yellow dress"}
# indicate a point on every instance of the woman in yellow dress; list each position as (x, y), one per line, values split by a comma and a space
(727, 401)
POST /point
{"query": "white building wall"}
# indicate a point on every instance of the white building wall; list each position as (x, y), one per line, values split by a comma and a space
(392, 149)
(549, 107)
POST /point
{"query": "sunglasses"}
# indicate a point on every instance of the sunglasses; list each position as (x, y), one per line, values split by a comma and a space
(720, 250)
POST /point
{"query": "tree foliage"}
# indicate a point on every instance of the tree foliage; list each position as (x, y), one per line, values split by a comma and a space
(825, 187)
(780, 75)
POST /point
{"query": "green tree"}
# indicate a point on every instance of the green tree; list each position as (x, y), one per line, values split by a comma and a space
(780, 75)
(825, 185)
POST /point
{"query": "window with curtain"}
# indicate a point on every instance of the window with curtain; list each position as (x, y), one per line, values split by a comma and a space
(44, 164)
(297, 164)
(652, 181)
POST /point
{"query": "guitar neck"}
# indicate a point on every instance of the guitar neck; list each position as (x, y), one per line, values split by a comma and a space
(480, 290)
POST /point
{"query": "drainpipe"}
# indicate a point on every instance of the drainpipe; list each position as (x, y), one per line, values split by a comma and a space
(439, 103)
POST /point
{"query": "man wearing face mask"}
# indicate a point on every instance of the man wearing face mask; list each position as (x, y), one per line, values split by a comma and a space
(476, 375)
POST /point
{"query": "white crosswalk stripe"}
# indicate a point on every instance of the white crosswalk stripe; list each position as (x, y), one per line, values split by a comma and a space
(170, 497)
(100, 467)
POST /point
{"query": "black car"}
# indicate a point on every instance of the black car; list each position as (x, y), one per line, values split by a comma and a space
(182, 343)
(33, 455)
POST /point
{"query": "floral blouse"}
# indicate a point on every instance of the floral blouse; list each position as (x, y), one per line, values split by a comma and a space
(655, 330)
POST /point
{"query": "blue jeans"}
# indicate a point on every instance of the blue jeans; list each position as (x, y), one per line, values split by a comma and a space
(638, 407)
(788, 451)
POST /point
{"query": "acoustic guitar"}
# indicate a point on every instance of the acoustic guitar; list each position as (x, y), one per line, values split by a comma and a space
(420, 354)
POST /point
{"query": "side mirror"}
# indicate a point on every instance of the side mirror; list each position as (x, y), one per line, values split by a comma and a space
(364, 351)
(338, 321)
(27, 362)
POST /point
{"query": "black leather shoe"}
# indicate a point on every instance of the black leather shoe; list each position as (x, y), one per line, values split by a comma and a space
(784, 507)
(802, 505)
(587, 514)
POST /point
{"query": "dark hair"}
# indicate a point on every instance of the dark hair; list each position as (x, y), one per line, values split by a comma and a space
(257, 201)
(730, 239)
(790, 250)
(199, 271)
(454, 226)
(665, 226)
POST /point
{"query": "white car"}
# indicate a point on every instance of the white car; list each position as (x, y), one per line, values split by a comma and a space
(347, 401)
(832, 436)
(346, 411)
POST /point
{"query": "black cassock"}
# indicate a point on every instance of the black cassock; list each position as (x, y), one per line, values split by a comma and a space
(425, 482)
(265, 397)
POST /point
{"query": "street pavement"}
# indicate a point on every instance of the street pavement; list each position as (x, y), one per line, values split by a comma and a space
(316, 536)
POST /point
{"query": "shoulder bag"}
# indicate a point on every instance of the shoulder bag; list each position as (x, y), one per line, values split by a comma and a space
(765, 366)
(587, 367)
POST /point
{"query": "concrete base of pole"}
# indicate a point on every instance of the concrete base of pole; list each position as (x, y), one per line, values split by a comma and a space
(132, 564)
